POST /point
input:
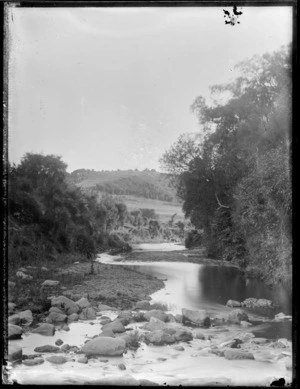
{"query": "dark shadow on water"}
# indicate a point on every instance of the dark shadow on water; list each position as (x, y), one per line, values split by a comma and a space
(220, 284)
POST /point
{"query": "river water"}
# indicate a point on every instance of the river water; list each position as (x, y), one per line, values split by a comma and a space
(187, 285)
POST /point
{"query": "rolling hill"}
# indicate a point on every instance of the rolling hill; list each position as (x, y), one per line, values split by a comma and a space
(138, 189)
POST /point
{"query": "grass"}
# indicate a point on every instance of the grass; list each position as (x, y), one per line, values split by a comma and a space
(163, 209)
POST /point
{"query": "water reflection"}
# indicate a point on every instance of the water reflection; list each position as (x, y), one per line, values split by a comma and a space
(219, 284)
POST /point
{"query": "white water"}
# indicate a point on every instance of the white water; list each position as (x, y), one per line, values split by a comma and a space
(193, 366)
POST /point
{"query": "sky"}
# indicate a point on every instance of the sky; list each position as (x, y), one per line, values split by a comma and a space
(111, 88)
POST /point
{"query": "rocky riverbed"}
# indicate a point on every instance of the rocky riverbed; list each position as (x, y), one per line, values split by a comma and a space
(108, 330)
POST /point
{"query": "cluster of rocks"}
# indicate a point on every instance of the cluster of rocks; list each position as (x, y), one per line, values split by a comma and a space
(260, 306)
(157, 328)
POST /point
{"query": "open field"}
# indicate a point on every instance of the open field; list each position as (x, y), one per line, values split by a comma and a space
(163, 208)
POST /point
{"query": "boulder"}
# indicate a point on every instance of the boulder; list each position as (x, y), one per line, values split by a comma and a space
(196, 318)
(236, 316)
(154, 325)
(179, 348)
(50, 283)
(14, 332)
(114, 326)
(121, 366)
(87, 314)
(103, 307)
(57, 359)
(59, 342)
(233, 304)
(65, 327)
(48, 348)
(65, 347)
(11, 284)
(65, 304)
(159, 338)
(56, 317)
(14, 352)
(44, 268)
(23, 276)
(33, 362)
(183, 335)
(82, 360)
(263, 306)
(26, 317)
(104, 346)
(237, 354)
(157, 313)
(73, 317)
(107, 334)
(45, 329)
(83, 303)
(282, 317)
(143, 305)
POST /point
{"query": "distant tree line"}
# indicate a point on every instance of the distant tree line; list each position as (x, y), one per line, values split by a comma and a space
(235, 177)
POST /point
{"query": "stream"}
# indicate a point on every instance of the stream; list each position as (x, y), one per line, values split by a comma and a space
(187, 285)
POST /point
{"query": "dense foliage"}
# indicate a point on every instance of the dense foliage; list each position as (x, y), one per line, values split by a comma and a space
(49, 217)
(234, 179)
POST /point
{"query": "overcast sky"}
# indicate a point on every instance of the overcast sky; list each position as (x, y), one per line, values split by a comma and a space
(111, 88)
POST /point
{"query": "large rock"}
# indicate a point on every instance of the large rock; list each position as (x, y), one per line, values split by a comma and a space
(197, 318)
(237, 354)
(103, 307)
(87, 314)
(56, 317)
(114, 326)
(233, 304)
(157, 313)
(57, 359)
(14, 332)
(105, 346)
(24, 317)
(159, 338)
(33, 362)
(14, 352)
(45, 329)
(50, 283)
(236, 316)
(143, 305)
(64, 303)
(282, 317)
(73, 317)
(47, 348)
(83, 303)
(183, 335)
(23, 276)
(154, 325)
(262, 306)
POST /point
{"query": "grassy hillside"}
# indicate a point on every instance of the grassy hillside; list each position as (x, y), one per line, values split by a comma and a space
(147, 184)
